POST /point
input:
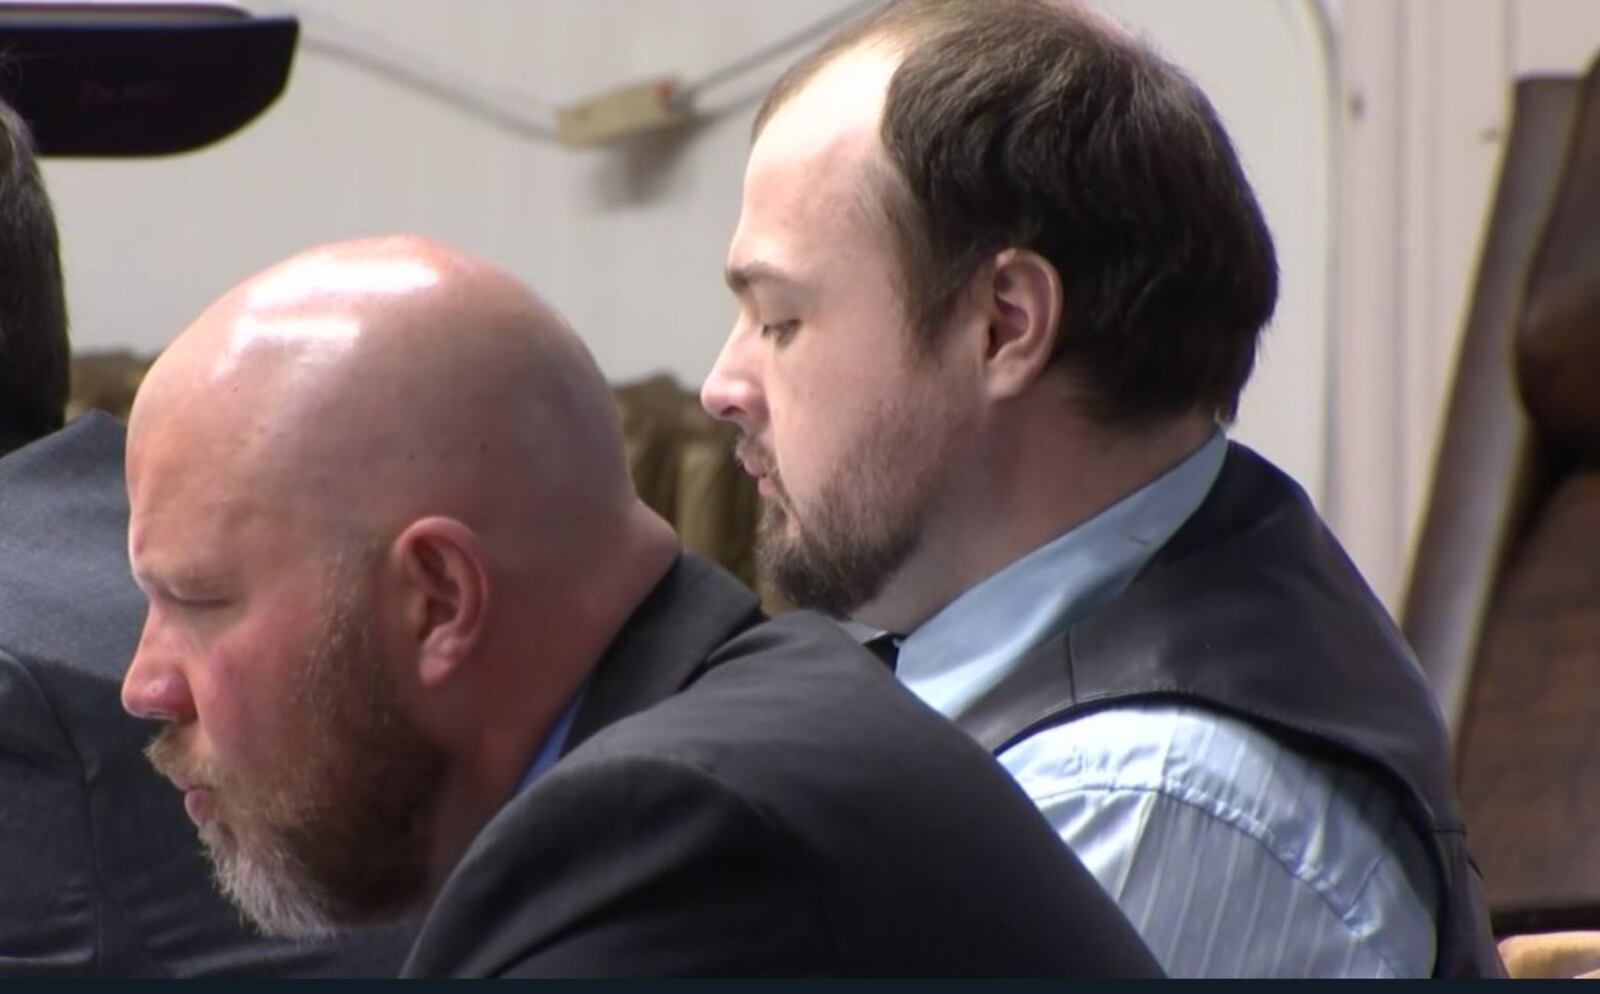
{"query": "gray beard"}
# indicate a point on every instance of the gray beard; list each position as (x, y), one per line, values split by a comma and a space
(269, 887)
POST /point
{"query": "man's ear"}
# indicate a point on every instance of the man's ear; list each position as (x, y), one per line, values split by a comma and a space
(1024, 304)
(444, 584)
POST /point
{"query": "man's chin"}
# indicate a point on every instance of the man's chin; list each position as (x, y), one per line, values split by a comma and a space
(273, 908)
(835, 577)
(265, 887)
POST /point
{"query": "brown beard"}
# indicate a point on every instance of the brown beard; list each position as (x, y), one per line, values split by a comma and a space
(336, 832)
(866, 521)
(831, 564)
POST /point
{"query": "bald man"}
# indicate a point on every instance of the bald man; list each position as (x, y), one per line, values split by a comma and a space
(415, 641)
(98, 873)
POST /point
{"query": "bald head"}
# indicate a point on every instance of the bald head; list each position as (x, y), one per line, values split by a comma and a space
(365, 384)
(379, 506)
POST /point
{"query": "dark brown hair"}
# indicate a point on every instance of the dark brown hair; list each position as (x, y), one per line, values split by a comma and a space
(1026, 124)
(35, 357)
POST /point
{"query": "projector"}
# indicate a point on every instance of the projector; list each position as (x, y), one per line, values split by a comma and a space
(122, 79)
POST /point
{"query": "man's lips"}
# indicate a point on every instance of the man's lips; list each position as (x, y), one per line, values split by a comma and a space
(758, 464)
(758, 471)
(188, 776)
(753, 461)
(751, 465)
(197, 802)
(197, 798)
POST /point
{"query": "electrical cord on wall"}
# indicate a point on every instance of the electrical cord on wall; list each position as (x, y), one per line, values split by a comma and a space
(747, 64)
(523, 114)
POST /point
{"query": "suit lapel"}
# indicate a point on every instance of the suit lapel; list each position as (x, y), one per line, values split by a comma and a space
(665, 644)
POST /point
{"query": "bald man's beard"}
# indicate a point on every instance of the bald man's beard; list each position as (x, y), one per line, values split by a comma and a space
(840, 551)
(335, 834)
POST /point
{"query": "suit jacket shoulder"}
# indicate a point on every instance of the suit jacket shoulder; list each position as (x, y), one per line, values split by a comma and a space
(692, 864)
(792, 811)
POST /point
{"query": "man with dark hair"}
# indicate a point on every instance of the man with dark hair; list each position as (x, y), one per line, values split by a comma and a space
(99, 872)
(35, 359)
(1000, 281)
(418, 642)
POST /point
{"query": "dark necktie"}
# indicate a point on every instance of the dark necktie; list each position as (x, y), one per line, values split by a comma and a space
(886, 647)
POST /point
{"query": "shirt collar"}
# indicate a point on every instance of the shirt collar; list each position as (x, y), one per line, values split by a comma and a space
(967, 647)
(550, 749)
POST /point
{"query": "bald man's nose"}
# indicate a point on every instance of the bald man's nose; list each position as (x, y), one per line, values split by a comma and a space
(731, 391)
(154, 687)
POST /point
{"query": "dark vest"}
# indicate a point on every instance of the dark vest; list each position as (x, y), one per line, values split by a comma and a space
(1253, 609)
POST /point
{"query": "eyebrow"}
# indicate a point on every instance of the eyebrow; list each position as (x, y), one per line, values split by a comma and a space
(741, 278)
(164, 580)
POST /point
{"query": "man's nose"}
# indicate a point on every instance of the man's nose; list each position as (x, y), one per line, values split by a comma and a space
(154, 686)
(731, 391)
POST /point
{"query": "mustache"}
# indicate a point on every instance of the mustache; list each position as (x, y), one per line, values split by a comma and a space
(753, 456)
(166, 753)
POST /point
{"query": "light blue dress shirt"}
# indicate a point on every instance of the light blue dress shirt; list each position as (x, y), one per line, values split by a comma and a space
(1231, 855)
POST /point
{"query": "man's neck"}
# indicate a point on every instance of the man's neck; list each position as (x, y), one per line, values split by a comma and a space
(519, 703)
(1035, 486)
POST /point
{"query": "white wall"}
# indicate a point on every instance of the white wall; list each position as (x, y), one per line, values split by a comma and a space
(628, 242)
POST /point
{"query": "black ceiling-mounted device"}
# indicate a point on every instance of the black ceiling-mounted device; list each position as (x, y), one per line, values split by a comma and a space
(126, 79)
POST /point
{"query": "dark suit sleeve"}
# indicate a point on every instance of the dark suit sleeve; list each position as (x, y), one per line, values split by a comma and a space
(48, 893)
(623, 868)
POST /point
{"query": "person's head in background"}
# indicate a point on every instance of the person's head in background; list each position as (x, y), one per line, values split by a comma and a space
(35, 355)
(997, 266)
(383, 519)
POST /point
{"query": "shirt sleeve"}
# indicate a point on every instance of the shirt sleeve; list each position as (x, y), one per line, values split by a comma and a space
(1232, 856)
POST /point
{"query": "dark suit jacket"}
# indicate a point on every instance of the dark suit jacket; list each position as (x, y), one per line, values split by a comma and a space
(764, 799)
(100, 870)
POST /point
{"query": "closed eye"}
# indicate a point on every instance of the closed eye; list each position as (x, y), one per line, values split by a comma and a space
(203, 603)
(185, 593)
(780, 331)
(189, 602)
